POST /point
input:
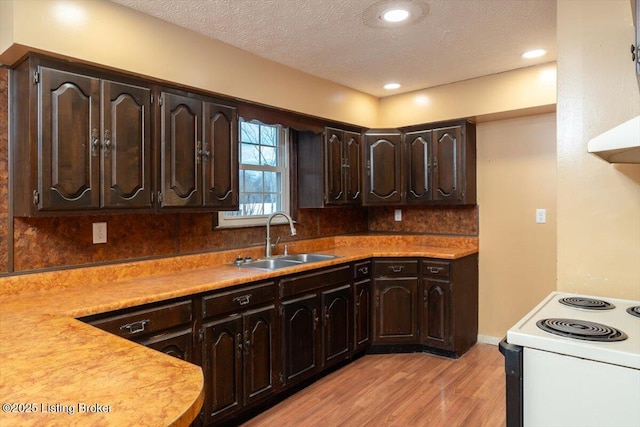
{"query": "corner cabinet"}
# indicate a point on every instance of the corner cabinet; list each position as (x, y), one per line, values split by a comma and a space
(329, 168)
(198, 153)
(81, 141)
(395, 284)
(165, 327)
(425, 304)
(384, 168)
(431, 164)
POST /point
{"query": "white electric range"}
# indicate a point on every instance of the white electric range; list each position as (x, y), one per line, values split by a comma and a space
(574, 360)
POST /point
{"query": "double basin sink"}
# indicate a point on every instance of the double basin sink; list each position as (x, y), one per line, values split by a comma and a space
(284, 261)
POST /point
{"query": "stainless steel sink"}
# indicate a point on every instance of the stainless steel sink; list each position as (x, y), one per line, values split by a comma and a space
(305, 258)
(284, 261)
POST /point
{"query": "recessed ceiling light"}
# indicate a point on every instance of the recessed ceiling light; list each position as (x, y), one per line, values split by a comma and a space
(391, 86)
(535, 53)
(395, 15)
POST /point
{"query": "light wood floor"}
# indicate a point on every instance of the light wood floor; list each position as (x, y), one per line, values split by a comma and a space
(401, 390)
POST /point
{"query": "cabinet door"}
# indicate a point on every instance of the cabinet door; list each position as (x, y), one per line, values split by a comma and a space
(219, 156)
(383, 184)
(69, 142)
(353, 167)
(334, 163)
(362, 314)
(259, 354)
(299, 337)
(436, 315)
(181, 178)
(448, 168)
(222, 365)
(177, 344)
(396, 311)
(418, 149)
(126, 146)
(337, 324)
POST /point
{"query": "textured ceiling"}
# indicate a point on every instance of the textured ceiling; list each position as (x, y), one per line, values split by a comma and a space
(457, 40)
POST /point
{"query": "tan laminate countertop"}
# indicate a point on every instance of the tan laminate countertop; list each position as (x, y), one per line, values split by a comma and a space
(56, 370)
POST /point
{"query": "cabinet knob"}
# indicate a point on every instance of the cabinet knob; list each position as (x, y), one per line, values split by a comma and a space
(634, 52)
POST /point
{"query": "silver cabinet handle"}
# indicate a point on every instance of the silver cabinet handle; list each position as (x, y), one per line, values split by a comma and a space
(243, 299)
(107, 143)
(435, 270)
(135, 327)
(396, 268)
(94, 142)
(363, 270)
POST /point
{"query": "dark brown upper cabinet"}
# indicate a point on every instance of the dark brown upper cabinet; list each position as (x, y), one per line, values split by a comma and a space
(198, 153)
(418, 148)
(454, 164)
(384, 168)
(81, 143)
(425, 164)
(329, 168)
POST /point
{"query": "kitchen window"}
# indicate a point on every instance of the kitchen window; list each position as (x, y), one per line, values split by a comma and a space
(263, 175)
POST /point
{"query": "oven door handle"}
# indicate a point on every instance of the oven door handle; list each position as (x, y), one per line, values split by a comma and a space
(513, 356)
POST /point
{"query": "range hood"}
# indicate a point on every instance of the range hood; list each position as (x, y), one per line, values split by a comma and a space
(620, 144)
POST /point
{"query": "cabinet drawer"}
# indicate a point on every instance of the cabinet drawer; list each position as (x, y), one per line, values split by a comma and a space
(435, 269)
(146, 321)
(231, 301)
(395, 268)
(315, 280)
(361, 269)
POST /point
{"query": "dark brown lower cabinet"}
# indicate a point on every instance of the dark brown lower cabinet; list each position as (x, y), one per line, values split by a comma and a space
(256, 340)
(222, 364)
(396, 312)
(317, 321)
(299, 337)
(238, 361)
(450, 304)
(337, 324)
(436, 315)
(362, 314)
(177, 344)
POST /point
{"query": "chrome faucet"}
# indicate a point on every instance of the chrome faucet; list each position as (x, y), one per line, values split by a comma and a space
(267, 248)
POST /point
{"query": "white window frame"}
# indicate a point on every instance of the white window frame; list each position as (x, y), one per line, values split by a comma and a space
(261, 220)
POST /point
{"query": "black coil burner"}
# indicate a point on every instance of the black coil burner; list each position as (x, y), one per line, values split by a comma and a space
(581, 329)
(586, 303)
(634, 311)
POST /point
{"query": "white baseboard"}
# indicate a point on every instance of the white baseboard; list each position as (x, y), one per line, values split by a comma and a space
(486, 339)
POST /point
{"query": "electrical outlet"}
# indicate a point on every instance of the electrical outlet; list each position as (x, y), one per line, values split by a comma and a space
(541, 216)
(99, 232)
(397, 215)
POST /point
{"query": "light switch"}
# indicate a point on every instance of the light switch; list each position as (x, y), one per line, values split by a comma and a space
(541, 216)
(99, 232)
(397, 215)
